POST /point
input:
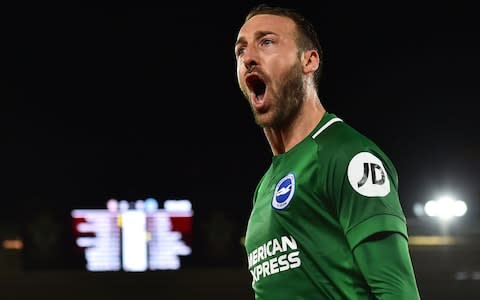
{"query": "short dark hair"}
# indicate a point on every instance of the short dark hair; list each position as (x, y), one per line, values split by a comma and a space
(307, 38)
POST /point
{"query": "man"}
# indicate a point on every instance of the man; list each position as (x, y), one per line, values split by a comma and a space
(326, 221)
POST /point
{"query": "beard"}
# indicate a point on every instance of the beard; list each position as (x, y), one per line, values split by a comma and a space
(285, 101)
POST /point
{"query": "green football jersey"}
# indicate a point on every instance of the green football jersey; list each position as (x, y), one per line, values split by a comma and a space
(314, 204)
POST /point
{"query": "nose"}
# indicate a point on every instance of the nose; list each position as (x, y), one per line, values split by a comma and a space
(250, 64)
(249, 58)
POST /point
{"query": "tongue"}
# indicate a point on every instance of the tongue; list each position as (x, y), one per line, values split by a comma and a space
(260, 97)
(259, 101)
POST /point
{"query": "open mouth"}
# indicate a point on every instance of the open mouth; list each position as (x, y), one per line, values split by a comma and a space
(257, 86)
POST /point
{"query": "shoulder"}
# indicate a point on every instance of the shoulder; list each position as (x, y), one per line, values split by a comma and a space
(340, 142)
(340, 136)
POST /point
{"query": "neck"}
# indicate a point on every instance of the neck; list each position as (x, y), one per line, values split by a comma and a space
(285, 138)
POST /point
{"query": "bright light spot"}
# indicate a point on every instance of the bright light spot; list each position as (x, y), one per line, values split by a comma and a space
(418, 209)
(134, 241)
(15, 244)
(112, 205)
(139, 205)
(151, 205)
(431, 208)
(460, 208)
(177, 205)
(445, 208)
(123, 205)
(86, 241)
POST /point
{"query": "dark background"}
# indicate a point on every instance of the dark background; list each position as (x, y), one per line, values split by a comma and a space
(100, 103)
(131, 103)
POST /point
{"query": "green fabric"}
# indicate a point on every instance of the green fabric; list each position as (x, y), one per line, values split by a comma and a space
(386, 265)
(365, 229)
(312, 207)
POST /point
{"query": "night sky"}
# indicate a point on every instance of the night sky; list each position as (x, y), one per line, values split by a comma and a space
(137, 103)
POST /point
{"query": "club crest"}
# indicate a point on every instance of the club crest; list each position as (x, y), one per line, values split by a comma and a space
(283, 193)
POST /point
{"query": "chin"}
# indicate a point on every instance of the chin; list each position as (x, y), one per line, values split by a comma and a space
(263, 120)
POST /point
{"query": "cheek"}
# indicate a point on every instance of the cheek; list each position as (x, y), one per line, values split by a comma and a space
(238, 69)
(280, 67)
(239, 76)
(277, 65)
(238, 72)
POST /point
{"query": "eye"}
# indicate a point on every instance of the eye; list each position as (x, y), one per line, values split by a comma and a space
(239, 51)
(266, 42)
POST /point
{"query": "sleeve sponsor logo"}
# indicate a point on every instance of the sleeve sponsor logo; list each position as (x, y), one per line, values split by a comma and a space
(283, 192)
(368, 176)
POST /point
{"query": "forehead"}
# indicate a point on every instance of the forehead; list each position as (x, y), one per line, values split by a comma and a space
(280, 25)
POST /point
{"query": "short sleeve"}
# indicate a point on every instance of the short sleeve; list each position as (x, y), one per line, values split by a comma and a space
(363, 186)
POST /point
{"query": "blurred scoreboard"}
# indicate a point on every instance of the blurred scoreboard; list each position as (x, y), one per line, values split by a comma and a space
(134, 236)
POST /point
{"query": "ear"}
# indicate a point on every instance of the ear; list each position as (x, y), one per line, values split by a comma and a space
(311, 61)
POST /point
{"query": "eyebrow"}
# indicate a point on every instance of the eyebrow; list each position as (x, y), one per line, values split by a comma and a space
(258, 34)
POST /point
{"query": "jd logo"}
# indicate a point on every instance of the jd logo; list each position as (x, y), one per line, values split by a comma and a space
(375, 168)
(368, 176)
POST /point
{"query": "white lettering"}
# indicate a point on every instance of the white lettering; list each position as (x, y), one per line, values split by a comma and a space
(254, 275)
(273, 257)
(269, 245)
(266, 266)
(273, 265)
(276, 247)
(294, 260)
(258, 269)
(288, 242)
(283, 262)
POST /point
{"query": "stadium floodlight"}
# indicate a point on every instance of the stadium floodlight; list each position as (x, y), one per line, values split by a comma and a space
(445, 208)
